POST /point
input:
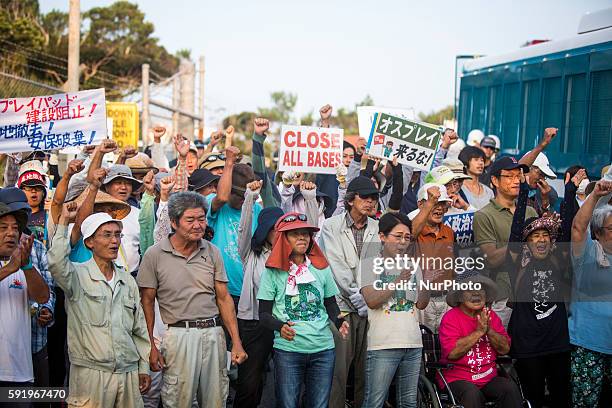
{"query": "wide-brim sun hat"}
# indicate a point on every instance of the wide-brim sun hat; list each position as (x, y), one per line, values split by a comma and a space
(454, 296)
(121, 171)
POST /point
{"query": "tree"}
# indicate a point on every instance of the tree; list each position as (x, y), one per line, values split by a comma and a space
(284, 104)
(115, 42)
(437, 117)
(308, 119)
(242, 122)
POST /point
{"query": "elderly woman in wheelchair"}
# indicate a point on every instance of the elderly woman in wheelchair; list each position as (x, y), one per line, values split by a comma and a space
(471, 338)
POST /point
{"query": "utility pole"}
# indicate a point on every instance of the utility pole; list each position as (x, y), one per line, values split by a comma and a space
(176, 101)
(201, 74)
(145, 103)
(187, 99)
(74, 34)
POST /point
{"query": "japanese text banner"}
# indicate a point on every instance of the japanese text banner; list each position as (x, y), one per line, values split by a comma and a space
(462, 225)
(53, 121)
(413, 143)
(310, 149)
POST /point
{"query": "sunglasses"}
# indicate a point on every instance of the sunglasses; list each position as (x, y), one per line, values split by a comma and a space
(368, 196)
(215, 157)
(292, 218)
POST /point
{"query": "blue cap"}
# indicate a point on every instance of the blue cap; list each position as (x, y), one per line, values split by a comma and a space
(265, 222)
(15, 198)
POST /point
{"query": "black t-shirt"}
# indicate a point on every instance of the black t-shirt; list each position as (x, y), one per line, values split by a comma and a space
(538, 325)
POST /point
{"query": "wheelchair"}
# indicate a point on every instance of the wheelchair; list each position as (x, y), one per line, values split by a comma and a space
(429, 393)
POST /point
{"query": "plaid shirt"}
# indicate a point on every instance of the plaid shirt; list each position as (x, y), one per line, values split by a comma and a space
(181, 175)
(39, 261)
(358, 233)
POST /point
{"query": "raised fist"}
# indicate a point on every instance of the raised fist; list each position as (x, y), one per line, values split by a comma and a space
(326, 112)
(261, 125)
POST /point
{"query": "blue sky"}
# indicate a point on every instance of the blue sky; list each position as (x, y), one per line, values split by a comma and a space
(401, 53)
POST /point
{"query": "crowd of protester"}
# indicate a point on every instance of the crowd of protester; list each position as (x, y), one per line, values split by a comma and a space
(207, 279)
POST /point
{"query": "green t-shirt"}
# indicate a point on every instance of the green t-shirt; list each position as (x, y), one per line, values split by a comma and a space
(306, 310)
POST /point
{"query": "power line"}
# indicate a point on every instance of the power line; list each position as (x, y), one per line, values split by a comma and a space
(29, 54)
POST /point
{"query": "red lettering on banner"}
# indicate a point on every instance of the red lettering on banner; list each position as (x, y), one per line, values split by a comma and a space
(313, 140)
(292, 158)
(323, 159)
(286, 159)
(287, 136)
(324, 143)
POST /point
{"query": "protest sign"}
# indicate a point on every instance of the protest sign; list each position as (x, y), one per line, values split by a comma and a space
(463, 226)
(53, 121)
(365, 117)
(413, 143)
(125, 122)
(310, 149)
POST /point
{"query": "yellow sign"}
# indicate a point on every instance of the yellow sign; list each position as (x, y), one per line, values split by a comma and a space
(125, 122)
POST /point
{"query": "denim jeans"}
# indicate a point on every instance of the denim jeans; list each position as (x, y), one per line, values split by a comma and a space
(382, 366)
(315, 370)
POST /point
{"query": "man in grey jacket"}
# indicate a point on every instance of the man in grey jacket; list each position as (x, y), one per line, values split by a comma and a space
(345, 239)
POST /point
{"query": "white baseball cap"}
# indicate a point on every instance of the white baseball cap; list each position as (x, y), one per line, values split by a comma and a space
(443, 175)
(422, 193)
(91, 224)
(582, 186)
(474, 137)
(541, 162)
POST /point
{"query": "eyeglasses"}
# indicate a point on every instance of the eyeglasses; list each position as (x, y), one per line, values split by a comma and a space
(512, 177)
(215, 157)
(109, 235)
(32, 189)
(292, 218)
(402, 237)
(368, 196)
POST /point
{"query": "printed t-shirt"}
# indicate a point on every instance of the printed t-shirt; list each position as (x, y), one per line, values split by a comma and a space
(306, 309)
(15, 330)
(395, 324)
(538, 325)
(478, 365)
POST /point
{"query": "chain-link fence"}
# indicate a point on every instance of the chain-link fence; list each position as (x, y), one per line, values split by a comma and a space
(14, 86)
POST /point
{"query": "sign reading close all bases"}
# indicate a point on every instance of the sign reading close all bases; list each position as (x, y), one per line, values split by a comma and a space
(53, 121)
(413, 143)
(310, 149)
(125, 122)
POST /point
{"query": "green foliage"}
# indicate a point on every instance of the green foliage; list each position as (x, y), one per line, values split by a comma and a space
(183, 53)
(282, 109)
(308, 119)
(242, 122)
(115, 42)
(437, 117)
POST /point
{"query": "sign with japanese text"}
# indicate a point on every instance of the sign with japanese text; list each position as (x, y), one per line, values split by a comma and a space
(365, 117)
(463, 226)
(310, 149)
(52, 122)
(413, 143)
(125, 122)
